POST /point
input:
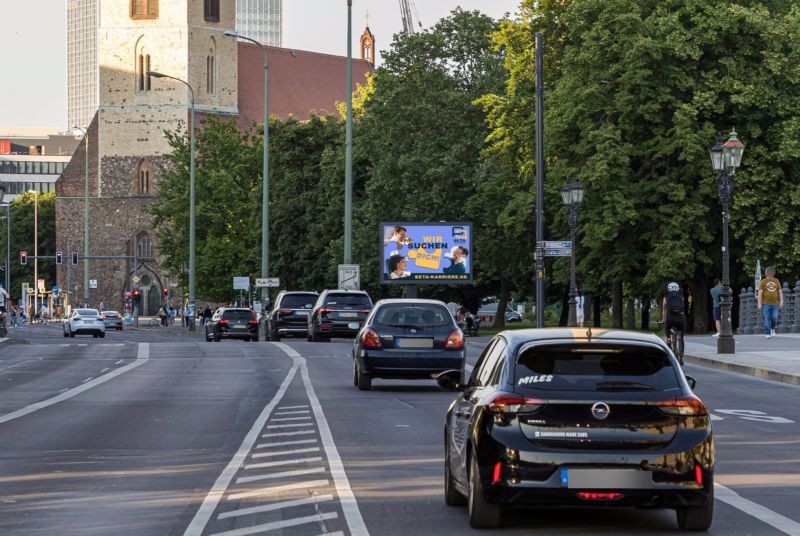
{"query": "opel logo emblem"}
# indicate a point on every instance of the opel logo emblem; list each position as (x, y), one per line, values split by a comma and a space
(600, 410)
(413, 330)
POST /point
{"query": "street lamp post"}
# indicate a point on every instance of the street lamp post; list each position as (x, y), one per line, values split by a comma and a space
(265, 178)
(348, 151)
(35, 251)
(725, 158)
(8, 238)
(85, 132)
(572, 196)
(192, 303)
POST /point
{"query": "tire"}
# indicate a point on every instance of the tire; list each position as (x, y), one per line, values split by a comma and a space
(102, 335)
(315, 337)
(452, 497)
(364, 380)
(94, 335)
(697, 518)
(71, 334)
(355, 372)
(308, 337)
(66, 334)
(217, 338)
(482, 513)
(274, 337)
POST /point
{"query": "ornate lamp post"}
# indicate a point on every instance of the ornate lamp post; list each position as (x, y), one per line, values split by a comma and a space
(725, 158)
(572, 196)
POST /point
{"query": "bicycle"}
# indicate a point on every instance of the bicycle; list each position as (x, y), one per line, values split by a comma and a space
(675, 342)
(154, 322)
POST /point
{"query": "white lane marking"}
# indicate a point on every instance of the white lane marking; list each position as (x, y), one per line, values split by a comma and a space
(337, 533)
(352, 514)
(762, 513)
(264, 465)
(286, 523)
(302, 425)
(275, 506)
(716, 417)
(299, 412)
(143, 356)
(403, 425)
(283, 452)
(282, 474)
(278, 489)
(284, 443)
(119, 362)
(87, 379)
(294, 407)
(292, 419)
(279, 434)
(105, 369)
(84, 344)
(206, 510)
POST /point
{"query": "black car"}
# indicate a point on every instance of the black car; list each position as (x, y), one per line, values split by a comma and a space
(338, 313)
(569, 417)
(289, 316)
(407, 339)
(232, 323)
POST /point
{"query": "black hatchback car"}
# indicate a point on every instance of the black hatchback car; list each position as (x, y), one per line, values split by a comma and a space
(289, 315)
(232, 323)
(407, 339)
(575, 417)
(338, 313)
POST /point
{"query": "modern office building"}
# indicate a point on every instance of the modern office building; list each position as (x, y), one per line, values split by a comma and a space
(33, 159)
(261, 20)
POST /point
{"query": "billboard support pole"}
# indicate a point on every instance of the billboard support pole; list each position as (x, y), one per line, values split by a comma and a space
(539, 183)
(411, 291)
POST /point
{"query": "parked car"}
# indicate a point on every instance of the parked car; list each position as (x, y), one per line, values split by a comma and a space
(232, 323)
(489, 309)
(112, 319)
(289, 315)
(407, 339)
(556, 417)
(338, 313)
(84, 322)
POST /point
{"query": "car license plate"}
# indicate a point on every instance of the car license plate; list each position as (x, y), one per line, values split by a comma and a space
(353, 325)
(606, 479)
(415, 343)
(239, 325)
(348, 315)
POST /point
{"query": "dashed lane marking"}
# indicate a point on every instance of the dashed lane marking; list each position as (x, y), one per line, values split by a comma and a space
(286, 523)
(275, 506)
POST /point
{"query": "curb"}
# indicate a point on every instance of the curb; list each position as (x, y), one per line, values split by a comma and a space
(744, 369)
(8, 340)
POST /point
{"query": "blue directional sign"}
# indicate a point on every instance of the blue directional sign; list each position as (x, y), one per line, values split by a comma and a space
(558, 252)
(556, 244)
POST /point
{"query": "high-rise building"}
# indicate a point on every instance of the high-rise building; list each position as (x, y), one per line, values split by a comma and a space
(261, 20)
(81, 61)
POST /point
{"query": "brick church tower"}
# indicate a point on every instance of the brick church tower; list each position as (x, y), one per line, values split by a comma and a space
(183, 39)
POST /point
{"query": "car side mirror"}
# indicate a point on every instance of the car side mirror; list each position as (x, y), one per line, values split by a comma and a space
(691, 381)
(450, 380)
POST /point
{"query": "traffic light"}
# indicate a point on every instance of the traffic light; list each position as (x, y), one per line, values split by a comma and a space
(136, 296)
(23, 257)
(59, 257)
(166, 292)
(74, 257)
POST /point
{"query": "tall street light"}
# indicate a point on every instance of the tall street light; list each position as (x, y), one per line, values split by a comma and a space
(265, 178)
(85, 132)
(572, 196)
(192, 304)
(8, 238)
(35, 251)
(348, 151)
(725, 158)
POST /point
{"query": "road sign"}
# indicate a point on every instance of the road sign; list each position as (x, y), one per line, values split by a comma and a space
(55, 290)
(268, 282)
(135, 279)
(349, 277)
(556, 244)
(41, 285)
(241, 283)
(93, 283)
(558, 252)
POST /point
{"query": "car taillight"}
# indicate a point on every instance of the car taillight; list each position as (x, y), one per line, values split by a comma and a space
(325, 311)
(366, 310)
(502, 402)
(455, 341)
(497, 473)
(223, 322)
(599, 495)
(371, 339)
(253, 322)
(690, 405)
(698, 474)
(285, 311)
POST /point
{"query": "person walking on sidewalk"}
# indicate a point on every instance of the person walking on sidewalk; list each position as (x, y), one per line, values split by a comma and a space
(770, 300)
(716, 290)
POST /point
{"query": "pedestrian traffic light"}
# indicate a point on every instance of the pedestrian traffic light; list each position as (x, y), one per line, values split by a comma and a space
(136, 295)
(59, 257)
(74, 257)
(23, 257)
(166, 292)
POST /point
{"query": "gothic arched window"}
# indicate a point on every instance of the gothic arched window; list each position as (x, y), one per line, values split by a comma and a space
(144, 177)
(144, 245)
(142, 59)
(211, 68)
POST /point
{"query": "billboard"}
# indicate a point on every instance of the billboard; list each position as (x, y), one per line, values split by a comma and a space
(426, 253)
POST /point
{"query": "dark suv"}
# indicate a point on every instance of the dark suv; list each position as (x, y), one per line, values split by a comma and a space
(232, 323)
(289, 316)
(338, 313)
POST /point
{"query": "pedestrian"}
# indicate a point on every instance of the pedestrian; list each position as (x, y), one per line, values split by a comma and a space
(715, 308)
(770, 300)
(579, 309)
(186, 314)
(102, 306)
(162, 315)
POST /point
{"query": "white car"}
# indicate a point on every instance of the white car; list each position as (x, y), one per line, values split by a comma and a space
(85, 321)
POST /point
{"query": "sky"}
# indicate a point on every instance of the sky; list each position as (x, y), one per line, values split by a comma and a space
(33, 88)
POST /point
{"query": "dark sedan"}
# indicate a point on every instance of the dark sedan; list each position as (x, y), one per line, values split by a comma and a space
(338, 313)
(112, 319)
(232, 323)
(407, 339)
(290, 314)
(575, 417)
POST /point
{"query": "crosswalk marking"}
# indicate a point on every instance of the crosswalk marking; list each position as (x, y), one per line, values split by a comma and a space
(285, 443)
(278, 434)
(292, 419)
(302, 425)
(294, 407)
(286, 523)
(264, 465)
(284, 452)
(299, 412)
(275, 506)
(275, 490)
(283, 474)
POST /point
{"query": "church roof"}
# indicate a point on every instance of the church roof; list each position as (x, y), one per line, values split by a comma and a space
(299, 82)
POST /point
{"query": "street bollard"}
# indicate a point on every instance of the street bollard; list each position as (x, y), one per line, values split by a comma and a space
(743, 316)
(785, 313)
(795, 328)
(752, 313)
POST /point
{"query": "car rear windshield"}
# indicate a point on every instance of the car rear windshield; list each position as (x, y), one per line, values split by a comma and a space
(600, 368)
(348, 300)
(238, 314)
(298, 301)
(420, 315)
(87, 312)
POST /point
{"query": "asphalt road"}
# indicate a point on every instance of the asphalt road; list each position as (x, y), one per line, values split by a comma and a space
(154, 432)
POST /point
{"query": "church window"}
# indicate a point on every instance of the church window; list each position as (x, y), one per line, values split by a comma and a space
(144, 175)
(145, 246)
(144, 9)
(211, 68)
(211, 10)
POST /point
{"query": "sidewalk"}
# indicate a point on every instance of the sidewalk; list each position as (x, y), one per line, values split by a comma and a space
(776, 359)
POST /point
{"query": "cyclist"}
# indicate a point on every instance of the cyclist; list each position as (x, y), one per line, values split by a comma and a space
(672, 313)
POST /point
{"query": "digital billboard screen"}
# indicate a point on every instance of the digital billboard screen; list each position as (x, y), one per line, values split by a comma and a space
(420, 253)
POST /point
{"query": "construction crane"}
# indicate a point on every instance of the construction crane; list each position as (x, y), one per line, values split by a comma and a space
(407, 8)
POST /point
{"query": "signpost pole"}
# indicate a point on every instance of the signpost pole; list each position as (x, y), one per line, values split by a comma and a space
(539, 180)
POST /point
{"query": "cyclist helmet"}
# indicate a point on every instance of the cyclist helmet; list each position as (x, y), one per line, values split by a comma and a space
(673, 287)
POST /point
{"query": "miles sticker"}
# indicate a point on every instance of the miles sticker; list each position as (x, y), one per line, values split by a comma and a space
(535, 379)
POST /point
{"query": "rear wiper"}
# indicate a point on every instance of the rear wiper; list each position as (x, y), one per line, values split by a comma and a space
(624, 386)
